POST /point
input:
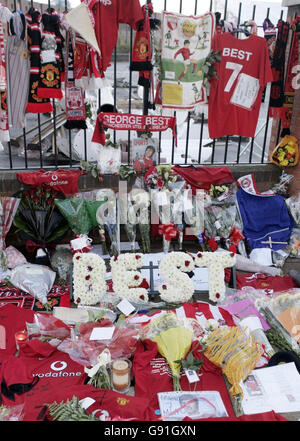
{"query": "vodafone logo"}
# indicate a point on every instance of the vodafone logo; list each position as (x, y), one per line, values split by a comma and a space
(54, 177)
(57, 369)
(58, 365)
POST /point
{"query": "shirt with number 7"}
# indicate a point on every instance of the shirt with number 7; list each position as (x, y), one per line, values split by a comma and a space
(236, 92)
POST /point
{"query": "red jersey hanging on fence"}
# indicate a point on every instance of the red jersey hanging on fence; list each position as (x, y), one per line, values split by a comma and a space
(107, 16)
(235, 96)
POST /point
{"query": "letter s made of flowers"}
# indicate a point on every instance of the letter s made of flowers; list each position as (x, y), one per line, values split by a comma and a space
(178, 286)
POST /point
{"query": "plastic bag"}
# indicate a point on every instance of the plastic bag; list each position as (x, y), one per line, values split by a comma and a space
(36, 280)
(109, 159)
(61, 263)
(293, 204)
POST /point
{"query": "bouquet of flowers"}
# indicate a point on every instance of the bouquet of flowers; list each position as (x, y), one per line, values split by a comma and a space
(286, 154)
(160, 177)
(85, 351)
(236, 352)
(173, 340)
(106, 217)
(38, 219)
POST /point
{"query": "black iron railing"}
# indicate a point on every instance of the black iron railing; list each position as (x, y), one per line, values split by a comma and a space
(228, 150)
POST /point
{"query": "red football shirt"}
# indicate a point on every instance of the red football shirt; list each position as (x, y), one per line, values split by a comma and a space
(235, 96)
(108, 14)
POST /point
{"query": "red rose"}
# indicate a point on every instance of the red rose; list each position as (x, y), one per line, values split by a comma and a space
(212, 244)
(233, 249)
(160, 182)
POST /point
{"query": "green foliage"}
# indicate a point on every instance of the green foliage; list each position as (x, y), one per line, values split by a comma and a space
(70, 410)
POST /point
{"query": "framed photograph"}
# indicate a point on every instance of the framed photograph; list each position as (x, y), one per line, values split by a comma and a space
(144, 153)
(175, 406)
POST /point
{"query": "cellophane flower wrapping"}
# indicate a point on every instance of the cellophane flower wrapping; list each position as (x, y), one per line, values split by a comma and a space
(282, 312)
(48, 326)
(85, 351)
(76, 214)
(12, 413)
(293, 204)
(220, 218)
(106, 217)
(235, 351)
(174, 338)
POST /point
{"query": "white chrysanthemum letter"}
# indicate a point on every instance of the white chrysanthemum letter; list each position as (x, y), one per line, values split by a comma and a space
(178, 286)
(88, 278)
(216, 263)
(126, 277)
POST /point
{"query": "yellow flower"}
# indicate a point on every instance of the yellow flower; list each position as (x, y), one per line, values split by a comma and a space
(284, 162)
(290, 149)
(174, 344)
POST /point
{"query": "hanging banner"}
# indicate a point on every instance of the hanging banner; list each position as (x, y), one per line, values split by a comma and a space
(186, 43)
(129, 121)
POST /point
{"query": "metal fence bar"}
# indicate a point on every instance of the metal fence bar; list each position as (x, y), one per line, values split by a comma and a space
(40, 140)
(173, 145)
(130, 89)
(187, 137)
(201, 137)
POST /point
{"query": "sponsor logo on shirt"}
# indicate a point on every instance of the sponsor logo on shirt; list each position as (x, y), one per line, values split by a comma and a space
(58, 369)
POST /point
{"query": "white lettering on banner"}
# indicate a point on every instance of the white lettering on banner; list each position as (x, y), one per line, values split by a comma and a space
(236, 53)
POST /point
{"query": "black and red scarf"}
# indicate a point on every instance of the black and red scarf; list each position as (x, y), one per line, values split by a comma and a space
(35, 104)
(141, 57)
(74, 97)
(289, 92)
(278, 63)
(51, 68)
